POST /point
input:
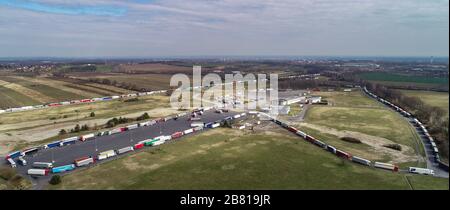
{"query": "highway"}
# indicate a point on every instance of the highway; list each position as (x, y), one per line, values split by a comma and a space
(429, 154)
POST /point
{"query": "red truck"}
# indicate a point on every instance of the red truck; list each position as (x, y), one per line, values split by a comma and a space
(138, 146)
(343, 154)
(177, 135)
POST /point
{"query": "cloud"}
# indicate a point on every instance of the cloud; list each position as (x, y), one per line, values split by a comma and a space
(224, 27)
(64, 9)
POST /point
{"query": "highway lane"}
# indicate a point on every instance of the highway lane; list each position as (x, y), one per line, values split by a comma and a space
(67, 154)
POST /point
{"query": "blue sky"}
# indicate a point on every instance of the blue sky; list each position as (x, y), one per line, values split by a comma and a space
(223, 27)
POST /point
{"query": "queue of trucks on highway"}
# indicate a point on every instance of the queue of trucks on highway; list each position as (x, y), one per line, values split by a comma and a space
(346, 155)
(43, 168)
(417, 123)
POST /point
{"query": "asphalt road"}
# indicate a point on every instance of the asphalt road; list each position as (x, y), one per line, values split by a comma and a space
(430, 157)
(67, 154)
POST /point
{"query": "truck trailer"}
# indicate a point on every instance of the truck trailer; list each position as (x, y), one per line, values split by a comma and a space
(84, 161)
(38, 172)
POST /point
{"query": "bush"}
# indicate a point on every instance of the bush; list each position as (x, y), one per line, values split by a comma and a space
(7, 173)
(143, 117)
(62, 132)
(393, 146)
(132, 100)
(56, 179)
(92, 114)
(351, 140)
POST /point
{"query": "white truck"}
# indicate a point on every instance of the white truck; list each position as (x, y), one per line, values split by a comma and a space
(12, 163)
(106, 154)
(424, 171)
(125, 150)
(39, 172)
(42, 165)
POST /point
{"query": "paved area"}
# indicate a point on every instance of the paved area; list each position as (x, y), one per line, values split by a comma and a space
(67, 154)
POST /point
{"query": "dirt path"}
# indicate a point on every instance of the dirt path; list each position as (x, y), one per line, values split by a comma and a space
(374, 142)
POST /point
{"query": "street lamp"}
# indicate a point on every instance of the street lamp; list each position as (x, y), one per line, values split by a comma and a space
(95, 142)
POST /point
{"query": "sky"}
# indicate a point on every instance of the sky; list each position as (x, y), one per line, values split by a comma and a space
(153, 28)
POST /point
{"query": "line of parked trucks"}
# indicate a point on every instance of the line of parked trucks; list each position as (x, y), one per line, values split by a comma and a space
(73, 140)
(347, 155)
(43, 168)
(417, 123)
(106, 98)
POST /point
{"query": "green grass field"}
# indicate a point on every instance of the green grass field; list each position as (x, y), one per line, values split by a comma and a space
(230, 159)
(355, 112)
(55, 93)
(384, 76)
(10, 98)
(376, 122)
(148, 81)
(438, 99)
(105, 109)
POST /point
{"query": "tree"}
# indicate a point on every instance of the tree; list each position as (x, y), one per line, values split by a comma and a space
(77, 128)
(92, 114)
(85, 127)
(56, 179)
(228, 124)
(62, 132)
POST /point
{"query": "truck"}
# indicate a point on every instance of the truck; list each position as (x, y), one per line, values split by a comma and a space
(114, 131)
(65, 168)
(11, 162)
(144, 124)
(292, 129)
(42, 165)
(198, 129)
(197, 124)
(87, 137)
(53, 144)
(302, 134)
(177, 135)
(195, 118)
(84, 161)
(68, 141)
(22, 161)
(38, 172)
(386, 166)
(138, 145)
(320, 144)
(29, 151)
(13, 154)
(331, 149)
(188, 131)
(362, 161)
(106, 154)
(126, 149)
(343, 154)
(209, 125)
(131, 127)
(424, 171)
